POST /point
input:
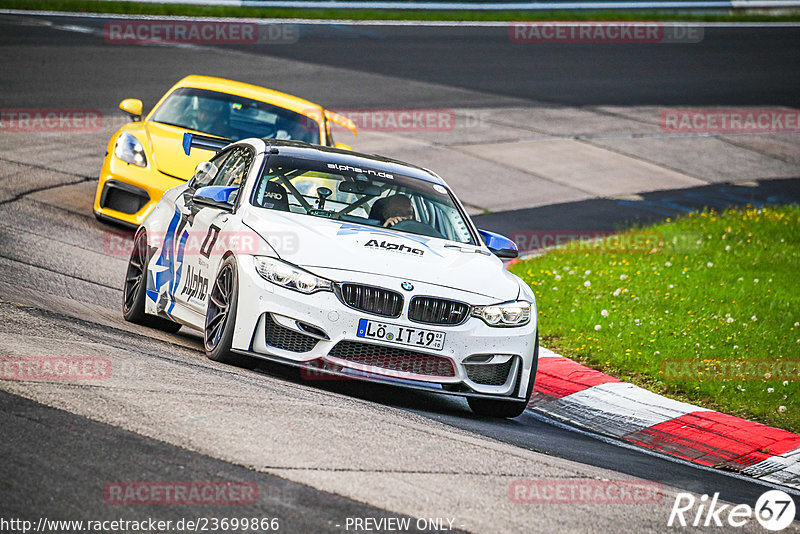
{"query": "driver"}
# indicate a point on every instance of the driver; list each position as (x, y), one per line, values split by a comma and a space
(208, 116)
(396, 208)
(398, 213)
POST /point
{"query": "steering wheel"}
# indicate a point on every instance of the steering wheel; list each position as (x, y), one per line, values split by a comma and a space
(416, 227)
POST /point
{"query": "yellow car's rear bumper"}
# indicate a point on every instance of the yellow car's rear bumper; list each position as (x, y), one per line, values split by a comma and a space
(126, 194)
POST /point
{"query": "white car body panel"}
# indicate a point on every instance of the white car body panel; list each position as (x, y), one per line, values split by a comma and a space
(180, 280)
(322, 243)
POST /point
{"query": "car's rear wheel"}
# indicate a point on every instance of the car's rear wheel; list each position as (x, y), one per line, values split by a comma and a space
(135, 289)
(502, 408)
(221, 317)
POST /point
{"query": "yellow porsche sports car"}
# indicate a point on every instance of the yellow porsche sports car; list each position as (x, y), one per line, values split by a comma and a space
(145, 157)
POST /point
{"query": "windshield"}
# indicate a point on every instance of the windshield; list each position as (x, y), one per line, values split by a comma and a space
(363, 196)
(234, 117)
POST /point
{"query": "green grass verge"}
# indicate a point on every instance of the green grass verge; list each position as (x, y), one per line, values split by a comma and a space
(133, 8)
(703, 317)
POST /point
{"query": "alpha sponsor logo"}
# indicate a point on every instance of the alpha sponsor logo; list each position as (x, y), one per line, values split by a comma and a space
(196, 285)
(359, 170)
(394, 247)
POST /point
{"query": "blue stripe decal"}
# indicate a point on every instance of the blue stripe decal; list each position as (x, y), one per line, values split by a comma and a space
(166, 259)
(177, 278)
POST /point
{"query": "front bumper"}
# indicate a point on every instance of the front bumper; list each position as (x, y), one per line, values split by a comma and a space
(318, 332)
(127, 194)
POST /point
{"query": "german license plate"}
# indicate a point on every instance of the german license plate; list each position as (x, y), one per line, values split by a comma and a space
(402, 335)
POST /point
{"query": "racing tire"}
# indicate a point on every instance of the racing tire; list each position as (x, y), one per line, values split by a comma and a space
(135, 289)
(221, 317)
(507, 409)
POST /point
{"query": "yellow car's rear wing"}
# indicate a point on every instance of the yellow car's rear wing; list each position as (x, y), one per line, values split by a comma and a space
(341, 120)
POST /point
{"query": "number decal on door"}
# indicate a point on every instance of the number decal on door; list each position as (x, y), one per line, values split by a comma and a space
(209, 241)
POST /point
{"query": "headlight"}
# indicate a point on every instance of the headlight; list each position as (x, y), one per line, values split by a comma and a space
(287, 275)
(130, 150)
(516, 313)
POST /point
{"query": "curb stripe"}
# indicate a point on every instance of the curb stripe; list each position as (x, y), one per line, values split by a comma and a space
(570, 392)
(782, 469)
(716, 439)
(558, 377)
(547, 353)
(617, 408)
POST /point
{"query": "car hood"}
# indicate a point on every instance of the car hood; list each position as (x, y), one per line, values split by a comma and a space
(311, 242)
(166, 144)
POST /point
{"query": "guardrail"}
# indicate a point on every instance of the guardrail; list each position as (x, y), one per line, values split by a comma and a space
(493, 6)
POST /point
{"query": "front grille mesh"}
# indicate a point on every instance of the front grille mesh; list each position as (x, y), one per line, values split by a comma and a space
(489, 374)
(374, 300)
(394, 359)
(122, 200)
(432, 310)
(286, 339)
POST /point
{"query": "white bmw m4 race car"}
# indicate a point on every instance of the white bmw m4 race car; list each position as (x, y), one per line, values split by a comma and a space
(342, 264)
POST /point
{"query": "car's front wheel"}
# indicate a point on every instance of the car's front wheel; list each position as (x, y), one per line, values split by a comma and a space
(223, 303)
(507, 409)
(134, 291)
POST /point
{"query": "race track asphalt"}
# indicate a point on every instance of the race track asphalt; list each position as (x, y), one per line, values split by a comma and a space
(318, 452)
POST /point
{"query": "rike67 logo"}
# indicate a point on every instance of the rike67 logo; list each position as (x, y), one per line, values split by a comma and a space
(774, 510)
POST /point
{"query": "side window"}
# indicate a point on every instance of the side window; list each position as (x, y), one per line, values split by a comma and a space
(234, 170)
(208, 179)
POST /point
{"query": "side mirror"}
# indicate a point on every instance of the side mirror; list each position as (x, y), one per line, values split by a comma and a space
(501, 246)
(133, 107)
(204, 172)
(216, 196)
